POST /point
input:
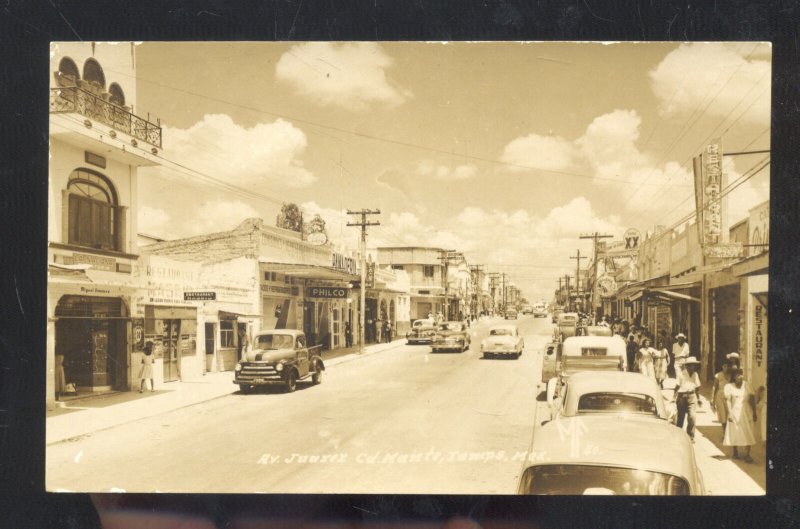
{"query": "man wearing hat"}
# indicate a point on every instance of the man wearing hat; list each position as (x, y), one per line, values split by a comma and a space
(680, 352)
(733, 359)
(687, 394)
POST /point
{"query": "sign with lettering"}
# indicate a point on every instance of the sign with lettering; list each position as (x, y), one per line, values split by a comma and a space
(712, 197)
(344, 264)
(199, 296)
(724, 251)
(107, 264)
(607, 285)
(327, 292)
(370, 275)
(759, 332)
(631, 238)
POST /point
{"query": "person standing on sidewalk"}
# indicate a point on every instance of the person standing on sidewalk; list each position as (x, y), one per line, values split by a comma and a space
(348, 334)
(146, 371)
(740, 403)
(680, 352)
(631, 350)
(687, 395)
(721, 379)
(645, 359)
(387, 331)
(661, 363)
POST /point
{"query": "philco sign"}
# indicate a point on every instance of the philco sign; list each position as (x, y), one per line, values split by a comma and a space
(326, 292)
(344, 264)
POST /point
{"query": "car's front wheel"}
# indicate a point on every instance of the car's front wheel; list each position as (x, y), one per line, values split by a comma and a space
(316, 378)
(290, 382)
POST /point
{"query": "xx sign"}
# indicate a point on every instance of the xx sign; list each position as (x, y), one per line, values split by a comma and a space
(632, 237)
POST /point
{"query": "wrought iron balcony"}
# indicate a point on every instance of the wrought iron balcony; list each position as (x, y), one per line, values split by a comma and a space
(67, 99)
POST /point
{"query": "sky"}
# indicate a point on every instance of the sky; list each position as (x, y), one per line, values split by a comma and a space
(507, 152)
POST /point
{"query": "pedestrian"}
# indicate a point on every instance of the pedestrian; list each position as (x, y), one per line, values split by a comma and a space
(661, 363)
(146, 371)
(680, 352)
(721, 379)
(733, 359)
(430, 315)
(631, 349)
(645, 359)
(348, 334)
(61, 377)
(740, 403)
(687, 395)
(387, 331)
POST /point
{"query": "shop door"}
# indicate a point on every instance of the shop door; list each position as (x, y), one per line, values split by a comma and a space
(172, 334)
(336, 328)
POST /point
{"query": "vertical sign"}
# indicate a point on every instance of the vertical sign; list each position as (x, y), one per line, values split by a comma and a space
(759, 333)
(712, 199)
(370, 279)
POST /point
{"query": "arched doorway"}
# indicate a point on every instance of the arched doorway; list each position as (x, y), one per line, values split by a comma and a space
(91, 335)
(93, 73)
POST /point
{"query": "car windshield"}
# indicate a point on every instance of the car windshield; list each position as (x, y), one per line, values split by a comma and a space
(423, 323)
(452, 327)
(274, 341)
(587, 479)
(617, 403)
(500, 332)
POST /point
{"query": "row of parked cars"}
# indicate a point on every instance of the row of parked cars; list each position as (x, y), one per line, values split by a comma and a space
(609, 430)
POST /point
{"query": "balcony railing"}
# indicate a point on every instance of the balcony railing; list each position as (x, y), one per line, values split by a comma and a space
(74, 99)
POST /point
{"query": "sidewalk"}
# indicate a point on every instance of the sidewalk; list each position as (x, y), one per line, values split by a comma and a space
(84, 416)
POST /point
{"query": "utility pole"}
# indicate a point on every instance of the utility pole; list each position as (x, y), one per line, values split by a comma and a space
(577, 272)
(560, 293)
(595, 237)
(566, 282)
(493, 277)
(363, 250)
(445, 256)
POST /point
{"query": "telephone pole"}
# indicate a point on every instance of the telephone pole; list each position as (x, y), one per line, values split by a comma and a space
(493, 277)
(595, 237)
(363, 250)
(577, 272)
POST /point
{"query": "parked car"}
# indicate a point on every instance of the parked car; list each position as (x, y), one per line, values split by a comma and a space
(592, 353)
(422, 332)
(503, 340)
(551, 360)
(451, 336)
(279, 356)
(567, 325)
(623, 455)
(510, 314)
(527, 309)
(556, 313)
(607, 392)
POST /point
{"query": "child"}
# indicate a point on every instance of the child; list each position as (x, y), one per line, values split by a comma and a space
(147, 367)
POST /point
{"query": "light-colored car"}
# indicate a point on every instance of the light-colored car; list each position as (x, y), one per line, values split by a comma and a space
(510, 314)
(503, 340)
(592, 353)
(279, 356)
(596, 330)
(567, 324)
(527, 309)
(422, 332)
(607, 393)
(451, 336)
(620, 455)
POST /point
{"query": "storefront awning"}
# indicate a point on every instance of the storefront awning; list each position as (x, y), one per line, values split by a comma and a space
(310, 271)
(758, 264)
(665, 294)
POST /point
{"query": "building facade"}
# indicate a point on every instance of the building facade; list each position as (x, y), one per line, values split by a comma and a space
(425, 273)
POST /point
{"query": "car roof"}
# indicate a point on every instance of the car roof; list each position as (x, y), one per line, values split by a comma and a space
(593, 341)
(453, 321)
(621, 441)
(509, 326)
(584, 382)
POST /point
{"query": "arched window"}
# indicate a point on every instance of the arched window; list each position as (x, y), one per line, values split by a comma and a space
(92, 210)
(117, 95)
(68, 72)
(93, 72)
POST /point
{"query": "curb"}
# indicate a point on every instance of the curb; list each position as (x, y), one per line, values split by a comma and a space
(353, 356)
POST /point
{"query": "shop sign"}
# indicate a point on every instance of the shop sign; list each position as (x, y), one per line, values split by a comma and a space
(317, 238)
(137, 326)
(607, 285)
(631, 237)
(724, 251)
(370, 275)
(344, 264)
(327, 292)
(199, 296)
(711, 168)
(759, 332)
(106, 264)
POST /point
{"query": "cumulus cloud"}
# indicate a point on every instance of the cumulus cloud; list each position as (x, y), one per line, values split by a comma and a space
(153, 221)
(551, 153)
(352, 75)
(446, 173)
(266, 154)
(717, 75)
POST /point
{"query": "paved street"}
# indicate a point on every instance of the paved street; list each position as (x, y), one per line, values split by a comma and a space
(401, 421)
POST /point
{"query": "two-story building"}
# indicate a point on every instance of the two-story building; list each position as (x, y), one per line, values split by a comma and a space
(425, 270)
(97, 144)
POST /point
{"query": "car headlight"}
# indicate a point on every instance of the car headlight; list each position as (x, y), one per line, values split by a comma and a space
(238, 367)
(279, 367)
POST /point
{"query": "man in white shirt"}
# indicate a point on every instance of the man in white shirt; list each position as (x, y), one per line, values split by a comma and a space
(687, 394)
(680, 352)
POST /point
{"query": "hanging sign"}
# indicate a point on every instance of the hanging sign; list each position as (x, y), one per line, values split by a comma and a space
(199, 296)
(370, 275)
(731, 250)
(327, 292)
(712, 188)
(631, 237)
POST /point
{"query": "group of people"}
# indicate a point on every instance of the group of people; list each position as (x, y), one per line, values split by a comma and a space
(655, 361)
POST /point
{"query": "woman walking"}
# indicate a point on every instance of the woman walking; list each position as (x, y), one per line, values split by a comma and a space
(722, 378)
(146, 370)
(661, 363)
(740, 404)
(645, 359)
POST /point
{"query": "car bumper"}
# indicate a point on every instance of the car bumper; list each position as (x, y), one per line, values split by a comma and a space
(259, 381)
(416, 341)
(448, 346)
(500, 352)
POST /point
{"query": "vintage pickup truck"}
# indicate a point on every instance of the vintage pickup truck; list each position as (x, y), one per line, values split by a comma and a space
(279, 356)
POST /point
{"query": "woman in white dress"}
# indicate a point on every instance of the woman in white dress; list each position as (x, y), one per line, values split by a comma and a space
(645, 359)
(146, 371)
(661, 363)
(740, 404)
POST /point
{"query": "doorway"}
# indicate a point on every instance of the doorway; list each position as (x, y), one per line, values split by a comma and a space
(171, 332)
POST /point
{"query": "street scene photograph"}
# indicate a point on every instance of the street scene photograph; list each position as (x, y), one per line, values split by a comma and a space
(534, 268)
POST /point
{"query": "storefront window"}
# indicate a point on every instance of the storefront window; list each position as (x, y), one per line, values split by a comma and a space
(226, 333)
